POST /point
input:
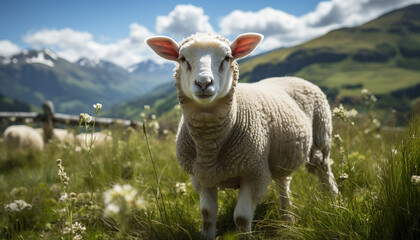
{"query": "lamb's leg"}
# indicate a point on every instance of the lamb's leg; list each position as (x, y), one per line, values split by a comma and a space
(320, 165)
(251, 193)
(284, 199)
(208, 208)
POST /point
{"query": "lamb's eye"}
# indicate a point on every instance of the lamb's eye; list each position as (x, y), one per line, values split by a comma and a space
(227, 58)
(184, 60)
(221, 67)
(188, 65)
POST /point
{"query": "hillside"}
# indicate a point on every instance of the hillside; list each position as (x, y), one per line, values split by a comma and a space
(34, 76)
(382, 55)
(12, 105)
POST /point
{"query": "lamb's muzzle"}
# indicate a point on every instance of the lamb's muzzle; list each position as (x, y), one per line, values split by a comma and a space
(243, 135)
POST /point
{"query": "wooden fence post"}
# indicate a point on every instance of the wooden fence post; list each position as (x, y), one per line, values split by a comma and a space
(48, 120)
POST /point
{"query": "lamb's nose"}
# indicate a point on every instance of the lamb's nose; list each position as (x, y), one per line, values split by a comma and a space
(204, 82)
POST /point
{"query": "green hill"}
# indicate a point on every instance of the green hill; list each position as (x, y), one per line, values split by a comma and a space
(382, 56)
(12, 105)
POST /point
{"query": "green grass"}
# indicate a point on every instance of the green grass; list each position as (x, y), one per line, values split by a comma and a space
(377, 200)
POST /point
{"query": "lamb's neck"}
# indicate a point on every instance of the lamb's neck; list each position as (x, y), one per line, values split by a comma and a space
(210, 126)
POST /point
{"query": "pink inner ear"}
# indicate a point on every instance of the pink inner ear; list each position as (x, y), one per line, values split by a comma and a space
(245, 46)
(164, 48)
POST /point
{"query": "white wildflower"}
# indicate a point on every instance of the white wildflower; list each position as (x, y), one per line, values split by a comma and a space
(143, 115)
(341, 113)
(344, 175)
(368, 96)
(17, 206)
(66, 230)
(78, 228)
(62, 210)
(394, 151)
(154, 125)
(181, 187)
(62, 174)
(153, 116)
(77, 237)
(376, 123)
(97, 106)
(373, 98)
(146, 107)
(352, 113)
(337, 138)
(85, 118)
(63, 197)
(73, 196)
(112, 210)
(120, 200)
(28, 120)
(415, 179)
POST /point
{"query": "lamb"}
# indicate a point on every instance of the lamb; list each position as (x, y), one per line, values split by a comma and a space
(99, 138)
(62, 136)
(240, 135)
(23, 137)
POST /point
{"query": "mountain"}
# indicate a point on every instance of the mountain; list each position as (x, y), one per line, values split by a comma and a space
(382, 55)
(34, 76)
(12, 105)
(152, 73)
(150, 67)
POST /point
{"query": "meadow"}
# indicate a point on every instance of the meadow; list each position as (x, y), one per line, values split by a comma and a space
(134, 188)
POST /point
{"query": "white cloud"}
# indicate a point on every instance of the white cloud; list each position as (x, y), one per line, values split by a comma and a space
(72, 45)
(183, 21)
(8, 48)
(282, 29)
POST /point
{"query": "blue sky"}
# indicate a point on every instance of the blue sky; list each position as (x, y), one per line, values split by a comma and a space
(115, 30)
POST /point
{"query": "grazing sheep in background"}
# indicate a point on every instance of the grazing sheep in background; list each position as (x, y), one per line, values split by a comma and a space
(99, 138)
(62, 136)
(243, 135)
(23, 137)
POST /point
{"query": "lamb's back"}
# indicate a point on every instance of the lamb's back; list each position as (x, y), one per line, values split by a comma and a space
(281, 118)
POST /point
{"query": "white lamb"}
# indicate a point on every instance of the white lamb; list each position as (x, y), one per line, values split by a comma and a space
(23, 137)
(61, 136)
(243, 135)
(100, 139)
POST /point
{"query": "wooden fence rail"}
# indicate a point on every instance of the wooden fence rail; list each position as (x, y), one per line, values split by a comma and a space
(49, 118)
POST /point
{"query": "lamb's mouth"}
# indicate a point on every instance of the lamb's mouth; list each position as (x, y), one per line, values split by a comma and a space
(203, 95)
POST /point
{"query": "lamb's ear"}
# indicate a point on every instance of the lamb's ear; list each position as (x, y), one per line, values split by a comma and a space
(164, 47)
(244, 44)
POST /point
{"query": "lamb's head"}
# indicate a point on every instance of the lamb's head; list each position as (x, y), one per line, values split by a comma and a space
(206, 62)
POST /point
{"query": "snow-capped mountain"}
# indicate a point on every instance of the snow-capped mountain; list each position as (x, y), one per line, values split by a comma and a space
(33, 76)
(150, 66)
(98, 64)
(45, 57)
